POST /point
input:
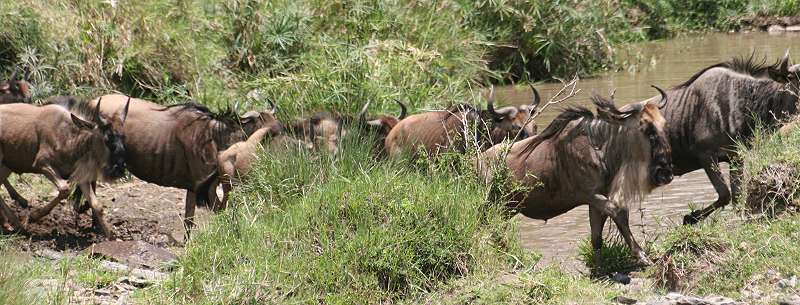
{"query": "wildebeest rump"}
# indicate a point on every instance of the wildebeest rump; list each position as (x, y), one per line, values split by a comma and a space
(324, 130)
(717, 107)
(606, 161)
(68, 144)
(451, 130)
(177, 146)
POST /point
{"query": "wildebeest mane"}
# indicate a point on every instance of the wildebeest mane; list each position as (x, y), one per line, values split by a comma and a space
(745, 65)
(74, 105)
(227, 115)
(558, 124)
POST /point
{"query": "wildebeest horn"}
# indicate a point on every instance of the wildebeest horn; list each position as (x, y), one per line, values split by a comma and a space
(403, 110)
(490, 103)
(784, 64)
(124, 114)
(362, 114)
(97, 110)
(27, 74)
(612, 93)
(536, 98)
(236, 107)
(663, 101)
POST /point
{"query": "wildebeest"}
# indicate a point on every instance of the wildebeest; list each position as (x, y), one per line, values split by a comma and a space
(719, 106)
(380, 126)
(68, 144)
(324, 130)
(177, 146)
(14, 90)
(446, 130)
(606, 161)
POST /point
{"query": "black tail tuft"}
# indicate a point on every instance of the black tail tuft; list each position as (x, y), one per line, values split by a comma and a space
(204, 189)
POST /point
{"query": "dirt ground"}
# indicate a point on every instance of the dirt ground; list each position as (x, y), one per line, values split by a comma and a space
(135, 209)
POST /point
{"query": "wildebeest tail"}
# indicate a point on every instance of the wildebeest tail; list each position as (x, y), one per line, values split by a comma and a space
(204, 189)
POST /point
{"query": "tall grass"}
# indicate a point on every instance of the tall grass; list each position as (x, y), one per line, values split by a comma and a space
(311, 229)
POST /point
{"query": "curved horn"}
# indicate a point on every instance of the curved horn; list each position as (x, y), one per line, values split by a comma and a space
(536, 98)
(664, 99)
(362, 115)
(403, 110)
(613, 92)
(124, 114)
(27, 75)
(783, 67)
(97, 110)
(490, 103)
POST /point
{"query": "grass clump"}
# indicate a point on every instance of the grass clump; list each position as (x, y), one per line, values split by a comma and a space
(614, 256)
(770, 172)
(352, 231)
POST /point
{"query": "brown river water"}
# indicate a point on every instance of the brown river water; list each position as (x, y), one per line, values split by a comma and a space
(665, 64)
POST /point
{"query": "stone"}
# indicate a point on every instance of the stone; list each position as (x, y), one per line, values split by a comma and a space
(793, 28)
(132, 253)
(788, 283)
(148, 275)
(790, 300)
(624, 300)
(776, 28)
(674, 298)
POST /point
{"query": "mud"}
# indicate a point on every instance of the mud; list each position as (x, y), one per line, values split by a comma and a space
(136, 210)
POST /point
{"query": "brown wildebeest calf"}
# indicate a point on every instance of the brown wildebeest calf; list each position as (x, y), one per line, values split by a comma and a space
(69, 146)
(446, 130)
(236, 161)
(606, 161)
(177, 146)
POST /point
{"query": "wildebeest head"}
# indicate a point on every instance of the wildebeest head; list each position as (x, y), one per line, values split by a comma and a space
(511, 122)
(104, 133)
(788, 73)
(645, 121)
(381, 125)
(255, 120)
(14, 90)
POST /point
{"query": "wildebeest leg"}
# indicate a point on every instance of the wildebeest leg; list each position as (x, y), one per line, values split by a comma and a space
(97, 209)
(597, 220)
(619, 215)
(226, 190)
(735, 178)
(21, 201)
(715, 175)
(188, 215)
(6, 212)
(63, 191)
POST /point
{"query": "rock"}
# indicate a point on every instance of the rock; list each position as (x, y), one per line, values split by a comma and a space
(793, 28)
(132, 253)
(674, 298)
(621, 278)
(624, 300)
(776, 28)
(790, 300)
(147, 275)
(49, 254)
(788, 283)
(43, 287)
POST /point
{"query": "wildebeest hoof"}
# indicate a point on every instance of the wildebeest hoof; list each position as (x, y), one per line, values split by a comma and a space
(691, 219)
(644, 260)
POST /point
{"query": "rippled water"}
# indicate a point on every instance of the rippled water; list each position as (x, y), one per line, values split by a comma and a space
(665, 64)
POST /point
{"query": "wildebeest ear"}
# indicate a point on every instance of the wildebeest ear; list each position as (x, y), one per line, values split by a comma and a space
(273, 109)
(795, 69)
(607, 110)
(81, 123)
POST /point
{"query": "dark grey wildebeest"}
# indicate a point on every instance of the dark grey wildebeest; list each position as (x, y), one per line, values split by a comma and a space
(177, 146)
(68, 145)
(606, 161)
(719, 106)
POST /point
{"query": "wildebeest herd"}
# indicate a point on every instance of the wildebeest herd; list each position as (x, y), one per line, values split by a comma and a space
(606, 159)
